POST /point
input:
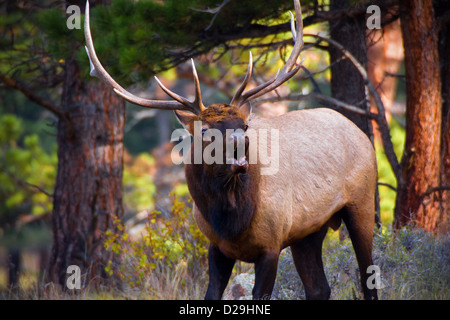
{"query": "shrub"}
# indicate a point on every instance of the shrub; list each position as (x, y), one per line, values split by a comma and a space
(169, 259)
(413, 264)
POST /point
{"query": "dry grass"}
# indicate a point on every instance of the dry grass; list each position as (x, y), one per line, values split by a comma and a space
(414, 265)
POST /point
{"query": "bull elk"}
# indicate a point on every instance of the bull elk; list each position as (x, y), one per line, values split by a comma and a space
(327, 173)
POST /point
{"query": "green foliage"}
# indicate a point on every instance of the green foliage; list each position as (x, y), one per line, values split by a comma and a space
(25, 170)
(138, 186)
(61, 40)
(23, 45)
(168, 243)
(137, 39)
(385, 173)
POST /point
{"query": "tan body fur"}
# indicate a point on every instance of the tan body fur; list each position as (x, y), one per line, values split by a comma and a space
(326, 162)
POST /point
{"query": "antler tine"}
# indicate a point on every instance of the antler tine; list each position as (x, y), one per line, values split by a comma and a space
(290, 68)
(198, 94)
(172, 94)
(240, 99)
(197, 104)
(294, 33)
(297, 35)
(97, 70)
(240, 90)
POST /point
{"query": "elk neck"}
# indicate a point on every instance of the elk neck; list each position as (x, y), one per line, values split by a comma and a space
(226, 201)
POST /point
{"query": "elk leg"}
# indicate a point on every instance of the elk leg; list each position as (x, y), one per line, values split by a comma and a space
(220, 268)
(265, 274)
(307, 254)
(360, 223)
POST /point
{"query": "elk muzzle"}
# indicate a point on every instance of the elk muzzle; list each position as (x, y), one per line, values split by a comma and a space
(237, 151)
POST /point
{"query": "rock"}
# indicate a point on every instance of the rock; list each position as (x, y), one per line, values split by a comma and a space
(240, 288)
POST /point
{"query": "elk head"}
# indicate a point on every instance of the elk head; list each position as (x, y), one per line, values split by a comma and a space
(233, 116)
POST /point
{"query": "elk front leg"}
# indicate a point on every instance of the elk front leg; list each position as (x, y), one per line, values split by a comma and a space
(220, 268)
(265, 274)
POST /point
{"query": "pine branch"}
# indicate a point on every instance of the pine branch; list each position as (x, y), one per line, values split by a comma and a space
(215, 38)
(258, 31)
(32, 96)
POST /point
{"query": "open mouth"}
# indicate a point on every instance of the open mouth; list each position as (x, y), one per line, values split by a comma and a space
(241, 162)
(237, 159)
(239, 166)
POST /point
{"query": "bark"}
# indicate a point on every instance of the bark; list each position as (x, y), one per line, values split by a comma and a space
(384, 55)
(88, 190)
(442, 11)
(347, 84)
(421, 158)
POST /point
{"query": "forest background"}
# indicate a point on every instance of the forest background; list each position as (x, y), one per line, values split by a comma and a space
(87, 179)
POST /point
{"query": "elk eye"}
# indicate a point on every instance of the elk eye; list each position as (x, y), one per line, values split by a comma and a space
(204, 129)
(246, 127)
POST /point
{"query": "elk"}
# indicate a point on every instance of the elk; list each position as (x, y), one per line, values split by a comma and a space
(327, 174)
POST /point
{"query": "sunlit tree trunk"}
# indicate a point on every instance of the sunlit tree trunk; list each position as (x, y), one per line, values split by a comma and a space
(88, 190)
(384, 57)
(421, 158)
(442, 10)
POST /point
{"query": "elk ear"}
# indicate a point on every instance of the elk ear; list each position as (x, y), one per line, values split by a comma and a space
(246, 110)
(185, 118)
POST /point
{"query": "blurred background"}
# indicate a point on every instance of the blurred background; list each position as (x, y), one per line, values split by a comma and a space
(87, 179)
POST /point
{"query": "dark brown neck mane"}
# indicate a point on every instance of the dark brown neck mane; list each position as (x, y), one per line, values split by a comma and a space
(227, 202)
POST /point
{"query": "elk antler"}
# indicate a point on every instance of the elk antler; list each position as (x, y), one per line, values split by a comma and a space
(288, 71)
(98, 71)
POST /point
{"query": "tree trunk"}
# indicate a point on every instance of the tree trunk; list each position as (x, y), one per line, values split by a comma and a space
(421, 157)
(384, 58)
(347, 83)
(88, 190)
(442, 11)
